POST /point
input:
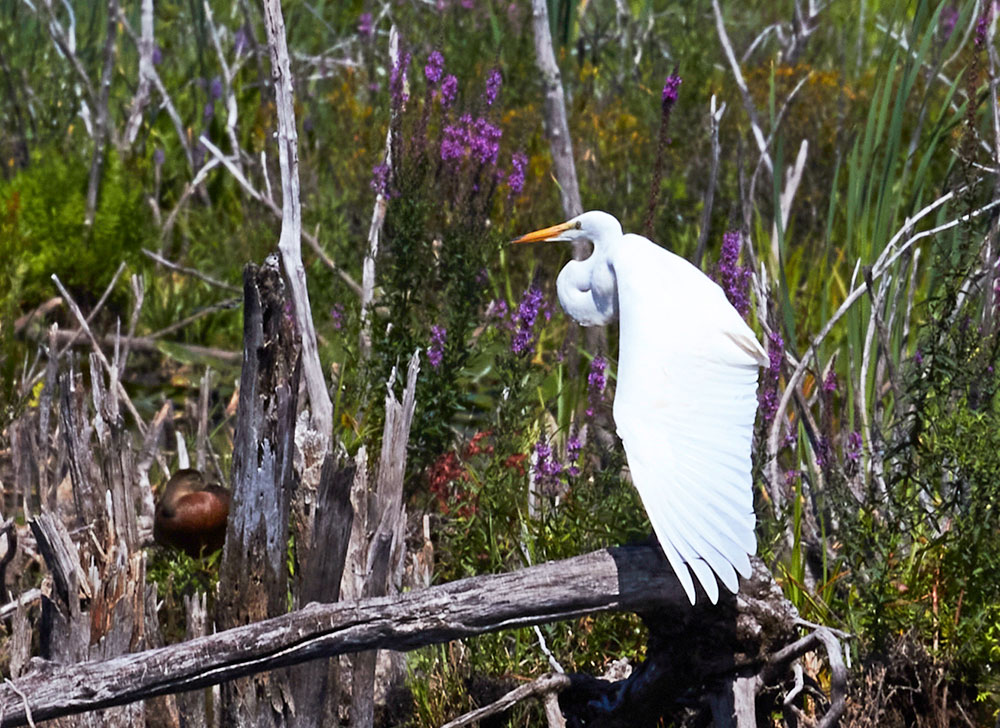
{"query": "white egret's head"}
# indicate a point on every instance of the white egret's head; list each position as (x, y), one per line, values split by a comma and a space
(595, 226)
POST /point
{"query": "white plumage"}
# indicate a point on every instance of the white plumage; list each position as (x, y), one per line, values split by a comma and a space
(685, 401)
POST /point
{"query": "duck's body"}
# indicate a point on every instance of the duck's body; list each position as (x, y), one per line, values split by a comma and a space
(191, 515)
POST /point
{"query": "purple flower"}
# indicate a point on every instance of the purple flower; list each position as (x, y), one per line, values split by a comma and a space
(918, 357)
(337, 315)
(475, 138)
(573, 448)
(380, 180)
(498, 310)
(455, 139)
(947, 21)
(515, 181)
(449, 89)
(365, 25)
(397, 81)
(215, 88)
(209, 111)
(767, 398)
(823, 452)
(158, 157)
(853, 451)
(157, 55)
(983, 24)
(532, 303)
(830, 383)
(240, 41)
(484, 141)
(434, 67)
(493, 82)
(671, 88)
(596, 382)
(734, 279)
(435, 352)
(547, 468)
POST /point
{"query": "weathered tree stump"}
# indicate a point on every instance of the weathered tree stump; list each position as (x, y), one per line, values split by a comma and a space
(253, 580)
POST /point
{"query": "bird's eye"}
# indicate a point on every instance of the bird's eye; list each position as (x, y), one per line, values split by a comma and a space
(578, 225)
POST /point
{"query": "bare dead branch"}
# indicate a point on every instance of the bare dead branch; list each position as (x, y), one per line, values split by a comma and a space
(100, 354)
(550, 683)
(290, 242)
(141, 99)
(101, 129)
(190, 272)
(714, 119)
(620, 579)
(147, 343)
(741, 83)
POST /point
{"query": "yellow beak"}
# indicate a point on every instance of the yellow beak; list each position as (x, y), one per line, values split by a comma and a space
(549, 233)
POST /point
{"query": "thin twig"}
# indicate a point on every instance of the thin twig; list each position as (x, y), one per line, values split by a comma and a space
(227, 84)
(714, 119)
(189, 189)
(546, 684)
(887, 257)
(120, 390)
(141, 99)
(228, 304)
(168, 103)
(101, 122)
(191, 272)
(734, 65)
(267, 199)
(378, 218)
(24, 699)
(139, 294)
(94, 311)
(290, 240)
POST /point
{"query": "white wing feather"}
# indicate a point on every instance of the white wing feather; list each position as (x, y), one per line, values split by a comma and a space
(684, 407)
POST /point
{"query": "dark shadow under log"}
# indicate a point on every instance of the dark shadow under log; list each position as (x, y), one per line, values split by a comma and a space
(633, 579)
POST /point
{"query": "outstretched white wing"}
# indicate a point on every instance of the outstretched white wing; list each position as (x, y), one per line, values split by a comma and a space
(684, 406)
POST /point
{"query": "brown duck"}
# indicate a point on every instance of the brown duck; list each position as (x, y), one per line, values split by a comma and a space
(191, 515)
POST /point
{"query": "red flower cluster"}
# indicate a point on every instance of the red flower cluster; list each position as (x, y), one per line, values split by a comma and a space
(448, 477)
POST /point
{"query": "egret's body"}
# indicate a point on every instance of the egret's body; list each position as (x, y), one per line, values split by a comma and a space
(685, 400)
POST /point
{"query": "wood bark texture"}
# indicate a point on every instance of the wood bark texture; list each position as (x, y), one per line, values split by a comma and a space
(619, 579)
(253, 581)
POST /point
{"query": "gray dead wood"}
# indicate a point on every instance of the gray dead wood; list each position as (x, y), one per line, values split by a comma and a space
(76, 436)
(387, 519)
(290, 242)
(314, 683)
(633, 579)
(192, 704)
(556, 125)
(253, 579)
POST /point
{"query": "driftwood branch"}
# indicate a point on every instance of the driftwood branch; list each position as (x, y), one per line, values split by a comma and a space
(290, 242)
(618, 579)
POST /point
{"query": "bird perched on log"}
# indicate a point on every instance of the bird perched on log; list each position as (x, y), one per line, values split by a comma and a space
(685, 401)
(191, 514)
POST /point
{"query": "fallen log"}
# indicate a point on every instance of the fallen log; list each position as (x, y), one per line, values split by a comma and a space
(635, 578)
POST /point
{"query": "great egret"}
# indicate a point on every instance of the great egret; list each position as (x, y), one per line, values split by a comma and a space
(685, 401)
(191, 515)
